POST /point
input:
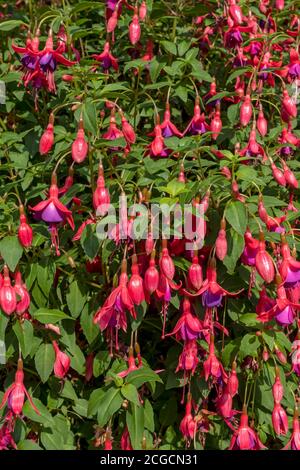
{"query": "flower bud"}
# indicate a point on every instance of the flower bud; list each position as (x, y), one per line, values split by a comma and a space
(24, 231)
(8, 299)
(246, 111)
(47, 139)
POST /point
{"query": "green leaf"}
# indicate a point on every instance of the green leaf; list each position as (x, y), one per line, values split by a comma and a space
(75, 299)
(4, 319)
(130, 393)
(90, 330)
(236, 215)
(141, 376)
(110, 403)
(95, 400)
(28, 444)
(68, 391)
(249, 345)
(44, 361)
(24, 333)
(169, 47)
(149, 416)
(135, 424)
(89, 114)
(47, 315)
(101, 363)
(44, 417)
(90, 242)
(236, 245)
(11, 24)
(52, 440)
(11, 251)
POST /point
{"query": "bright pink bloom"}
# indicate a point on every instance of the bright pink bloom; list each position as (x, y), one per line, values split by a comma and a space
(135, 284)
(294, 442)
(188, 425)
(135, 29)
(101, 197)
(8, 298)
(106, 59)
(62, 362)
(212, 367)
(80, 146)
(246, 111)
(112, 314)
(195, 275)
(15, 394)
(23, 297)
(151, 277)
(47, 139)
(188, 359)
(188, 327)
(125, 440)
(244, 438)
(24, 231)
(263, 262)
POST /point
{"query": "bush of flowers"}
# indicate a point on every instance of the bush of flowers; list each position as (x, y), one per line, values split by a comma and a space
(122, 327)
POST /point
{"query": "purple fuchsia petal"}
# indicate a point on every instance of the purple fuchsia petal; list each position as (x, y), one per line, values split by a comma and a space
(52, 215)
(211, 300)
(285, 316)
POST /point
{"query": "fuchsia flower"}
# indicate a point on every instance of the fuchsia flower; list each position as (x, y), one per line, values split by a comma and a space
(112, 314)
(188, 359)
(106, 59)
(47, 139)
(157, 146)
(53, 212)
(125, 440)
(131, 364)
(244, 438)
(212, 293)
(62, 362)
(23, 297)
(197, 124)
(250, 250)
(168, 128)
(263, 261)
(80, 146)
(283, 310)
(25, 233)
(135, 284)
(294, 65)
(188, 326)
(41, 64)
(289, 268)
(101, 197)
(8, 298)
(188, 425)
(195, 275)
(6, 430)
(294, 442)
(212, 367)
(15, 394)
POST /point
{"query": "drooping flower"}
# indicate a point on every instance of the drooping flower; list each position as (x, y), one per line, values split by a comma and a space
(8, 298)
(23, 297)
(112, 314)
(80, 145)
(212, 293)
(188, 327)
(106, 59)
(188, 359)
(212, 367)
(14, 396)
(197, 124)
(245, 438)
(294, 441)
(62, 362)
(289, 268)
(25, 233)
(53, 212)
(188, 425)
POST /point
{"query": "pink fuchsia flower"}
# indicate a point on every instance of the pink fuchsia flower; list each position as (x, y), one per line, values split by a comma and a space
(167, 127)
(106, 59)
(188, 327)
(212, 293)
(188, 425)
(188, 359)
(112, 314)
(280, 420)
(135, 284)
(212, 367)
(296, 355)
(6, 430)
(250, 250)
(197, 124)
(131, 364)
(294, 65)
(15, 394)
(62, 362)
(245, 438)
(8, 298)
(23, 297)
(289, 268)
(294, 442)
(283, 310)
(195, 275)
(263, 262)
(125, 440)
(25, 233)
(53, 212)
(101, 197)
